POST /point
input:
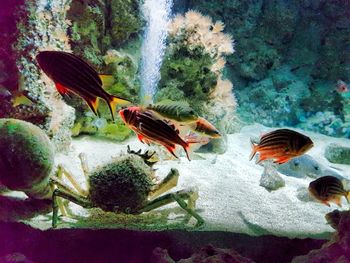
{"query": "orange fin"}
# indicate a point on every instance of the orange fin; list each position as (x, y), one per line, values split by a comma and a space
(93, 104)
(62, 89)
(186, 148)
(282, 159)
(140, 137)
(114, 101)
(337, 201)
(326, 203)
(254, 150)
(171, 150)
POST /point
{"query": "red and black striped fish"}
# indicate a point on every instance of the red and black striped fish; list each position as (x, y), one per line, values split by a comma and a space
(281, 145)
(150, 128)
(328, 189)
(72, 74)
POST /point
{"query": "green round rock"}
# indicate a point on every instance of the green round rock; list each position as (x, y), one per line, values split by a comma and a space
(26, 157)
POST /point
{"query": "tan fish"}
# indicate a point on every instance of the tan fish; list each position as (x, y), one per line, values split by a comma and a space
(204, 127)
(72, 74)
(179, 111)
(328, 189)
(281, 145)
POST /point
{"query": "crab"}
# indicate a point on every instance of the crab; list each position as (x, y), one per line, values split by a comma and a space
(124, 185)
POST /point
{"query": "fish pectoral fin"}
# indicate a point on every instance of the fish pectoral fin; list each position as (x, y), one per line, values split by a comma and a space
(113, 101)
(140, 137)
(62, 89)
(93, 104)
(282, 159)
(171, 150)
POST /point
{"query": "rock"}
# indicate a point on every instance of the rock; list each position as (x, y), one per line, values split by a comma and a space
(26, 158)
(306, 166)
(207, 254)
(336, 153)
(338, 248)
(270, 179)
(303, 194)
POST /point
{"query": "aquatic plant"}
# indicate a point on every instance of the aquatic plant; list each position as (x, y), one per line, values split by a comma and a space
(43, 26)
(26, 158)
(193, 66)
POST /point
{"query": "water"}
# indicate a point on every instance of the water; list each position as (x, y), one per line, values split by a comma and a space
(157, 14)
(289, 69)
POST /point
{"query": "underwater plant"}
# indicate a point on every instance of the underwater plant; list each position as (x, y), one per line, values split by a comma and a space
(26, 158)
(193, 66)
(124, 185)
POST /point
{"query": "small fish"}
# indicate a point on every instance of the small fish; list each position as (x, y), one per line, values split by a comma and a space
(281, 145)
(179, 111)
(342, 86)
(202, 126)
(150, 128)
(328, 189)
(71, 74)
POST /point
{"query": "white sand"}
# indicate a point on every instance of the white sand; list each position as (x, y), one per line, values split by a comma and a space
(230, 196)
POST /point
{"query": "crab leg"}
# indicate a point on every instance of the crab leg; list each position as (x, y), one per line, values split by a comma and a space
(178, 197)
(170, 181)
(72, 180)
(85, 168)
(69, 195)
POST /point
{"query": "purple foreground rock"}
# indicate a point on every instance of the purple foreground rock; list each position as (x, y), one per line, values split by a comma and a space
(338, 248)
(207, 254)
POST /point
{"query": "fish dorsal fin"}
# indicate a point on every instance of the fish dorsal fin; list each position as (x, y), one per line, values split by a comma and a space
(107, 80)
(62, 89)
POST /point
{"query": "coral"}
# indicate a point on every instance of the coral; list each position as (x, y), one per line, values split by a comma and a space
(309, 37)
(126, 182)
(26, 158)
(43, 27)
(193, 66)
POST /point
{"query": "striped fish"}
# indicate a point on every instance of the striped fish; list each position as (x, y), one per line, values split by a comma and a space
(174, 110)
(71, 74)
(281, 145)
(149, 128)
(328, 189)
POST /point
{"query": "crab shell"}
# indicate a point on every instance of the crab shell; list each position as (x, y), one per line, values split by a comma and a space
(122, 185)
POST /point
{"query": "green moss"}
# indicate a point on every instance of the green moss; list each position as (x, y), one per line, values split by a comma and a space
(125, 21)
(115, 131)
(26, 156)
(188, 71)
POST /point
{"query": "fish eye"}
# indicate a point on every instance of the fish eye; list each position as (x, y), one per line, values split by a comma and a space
(296, 163)
(316, 167)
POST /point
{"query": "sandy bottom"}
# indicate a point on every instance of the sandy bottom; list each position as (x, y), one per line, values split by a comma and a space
(230, 198)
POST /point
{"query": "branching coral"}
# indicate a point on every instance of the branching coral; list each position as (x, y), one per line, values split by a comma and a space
(194, 64)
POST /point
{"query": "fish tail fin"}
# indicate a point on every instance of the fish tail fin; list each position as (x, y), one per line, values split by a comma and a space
(254, 149)
(113, 101)
(93, 104)
(347, 196)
